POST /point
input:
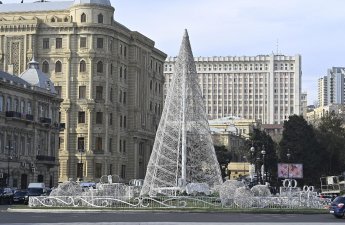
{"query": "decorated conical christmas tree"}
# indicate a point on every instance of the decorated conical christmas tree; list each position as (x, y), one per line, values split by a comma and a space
(183, 151)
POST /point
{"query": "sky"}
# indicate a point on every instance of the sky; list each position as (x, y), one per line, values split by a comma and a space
(315, 29)
(312, 28)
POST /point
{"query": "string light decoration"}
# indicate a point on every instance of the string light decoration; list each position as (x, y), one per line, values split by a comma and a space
(183, 151)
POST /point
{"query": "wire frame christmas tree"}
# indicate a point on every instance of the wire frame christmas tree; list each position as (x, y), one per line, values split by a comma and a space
(183, 151)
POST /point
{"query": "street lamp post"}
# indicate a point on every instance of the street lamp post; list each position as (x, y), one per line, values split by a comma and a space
(252, 151)
(288, 156)
(263, 152)
(9, 158)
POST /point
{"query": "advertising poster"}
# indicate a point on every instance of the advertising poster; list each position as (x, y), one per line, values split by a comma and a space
(290, 170)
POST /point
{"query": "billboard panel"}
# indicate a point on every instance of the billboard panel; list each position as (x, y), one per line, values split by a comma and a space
(290, 170)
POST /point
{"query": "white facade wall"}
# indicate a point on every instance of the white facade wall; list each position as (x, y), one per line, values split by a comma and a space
(266, 87)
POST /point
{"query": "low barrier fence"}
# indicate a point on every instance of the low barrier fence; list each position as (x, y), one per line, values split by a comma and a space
(177, 202)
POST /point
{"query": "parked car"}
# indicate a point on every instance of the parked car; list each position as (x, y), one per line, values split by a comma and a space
(19, 196)
(6, 196)
(337, 207)
(35, 189)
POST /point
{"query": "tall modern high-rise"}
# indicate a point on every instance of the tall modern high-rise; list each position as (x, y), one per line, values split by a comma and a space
(331, 87)
(109, 77)
(266, 87)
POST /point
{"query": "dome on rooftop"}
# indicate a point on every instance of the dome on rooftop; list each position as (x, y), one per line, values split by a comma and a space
(36, 77)
(99, 2)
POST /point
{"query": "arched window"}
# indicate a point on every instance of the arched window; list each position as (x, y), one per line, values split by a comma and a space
(121, 72)
(82, 66)
(66, 19)
(45, 67)
(100, 18)
(125, 73)
(58, 67)
(53, 20)
(100, 67)
(83, 18)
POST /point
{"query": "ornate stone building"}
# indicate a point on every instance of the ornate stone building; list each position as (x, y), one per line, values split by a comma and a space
(29, 129)
(109, 77)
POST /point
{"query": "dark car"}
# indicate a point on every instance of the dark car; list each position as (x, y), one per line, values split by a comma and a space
(34, 192)
(337, 207)
(6, 196)
(20, 196)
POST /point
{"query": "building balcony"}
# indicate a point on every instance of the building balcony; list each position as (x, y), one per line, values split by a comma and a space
(13, 114)
(29, 117)
(45, 158)
(45, 120)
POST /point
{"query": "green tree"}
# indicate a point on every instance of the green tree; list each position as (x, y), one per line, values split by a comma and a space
(260, 140)
(224, 158)
(299, 137)
(331, 138)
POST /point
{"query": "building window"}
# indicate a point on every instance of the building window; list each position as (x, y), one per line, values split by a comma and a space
(98, 144)
(100, 67)
(58, 89)
(8, 104)
(100, 18)
(98, 170)
(58, 43)
(82, 92)
(124, 121)
(99, 42)
(110, 145)
(124, 146)
(45, 43)
(58, 67)
(99, 92)
(99, 117)
(82, 66)
(111, 95)
(83, 42)
(110, 119)
(123, 171)
(81, 141)
(45, 67)
(29, 108)
(81, 117)
(83, 18)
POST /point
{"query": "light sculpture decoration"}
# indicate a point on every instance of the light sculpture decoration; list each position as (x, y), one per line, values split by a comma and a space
(183, 151)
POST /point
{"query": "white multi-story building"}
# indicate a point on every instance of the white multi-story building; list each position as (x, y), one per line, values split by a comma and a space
(266, 87)
(331, 87)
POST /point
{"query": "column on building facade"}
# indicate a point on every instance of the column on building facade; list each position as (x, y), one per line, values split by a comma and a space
(89, 129)
(269, 107)
(91, 59)
(68, 77)
(135, 157)
(66, 143)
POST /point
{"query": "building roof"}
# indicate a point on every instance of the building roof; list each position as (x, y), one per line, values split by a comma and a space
(272, 126)
(12, 78)
(37, 6)
(224, 120)
(98, 2)
(36, 77)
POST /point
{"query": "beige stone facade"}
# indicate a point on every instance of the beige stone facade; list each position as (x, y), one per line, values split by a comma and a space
(109, 77)
(29, 133)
